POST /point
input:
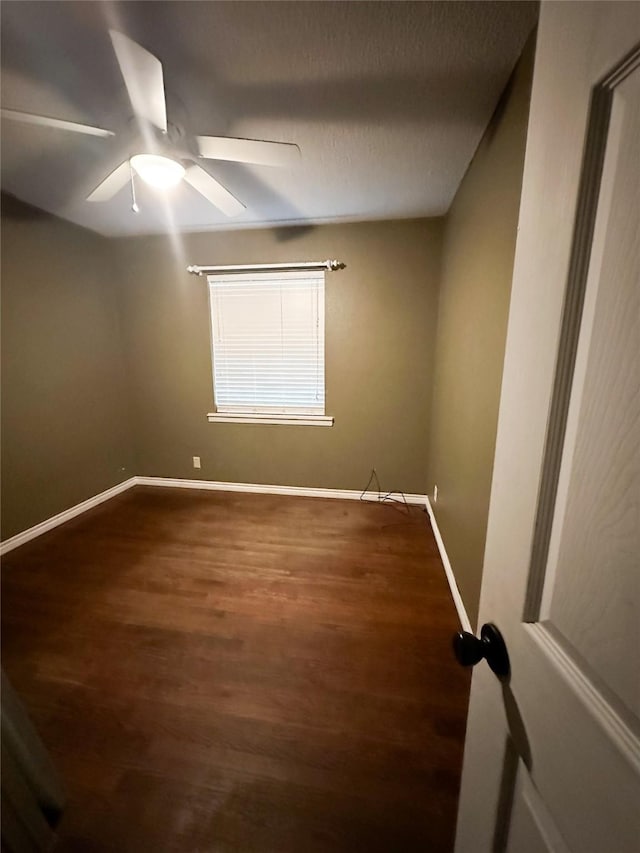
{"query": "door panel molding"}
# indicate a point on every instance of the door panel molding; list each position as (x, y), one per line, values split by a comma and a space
(597, 703)
(532, 828)
(596, 140)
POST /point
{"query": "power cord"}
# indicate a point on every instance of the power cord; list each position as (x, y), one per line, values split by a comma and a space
(383, 498)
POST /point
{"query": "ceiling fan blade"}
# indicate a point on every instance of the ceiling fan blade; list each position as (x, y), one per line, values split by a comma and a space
(61, 124)
(255, 151)
(112, 183)
(142, 73)
(213, 191)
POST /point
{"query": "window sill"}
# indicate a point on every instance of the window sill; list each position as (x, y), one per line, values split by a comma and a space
(287, 420)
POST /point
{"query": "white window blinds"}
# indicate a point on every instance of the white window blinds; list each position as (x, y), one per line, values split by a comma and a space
(267, 332)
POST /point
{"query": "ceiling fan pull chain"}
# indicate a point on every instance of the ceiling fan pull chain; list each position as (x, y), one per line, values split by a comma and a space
(134, 203)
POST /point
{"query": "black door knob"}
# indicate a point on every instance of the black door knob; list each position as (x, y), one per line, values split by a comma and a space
(469, 650)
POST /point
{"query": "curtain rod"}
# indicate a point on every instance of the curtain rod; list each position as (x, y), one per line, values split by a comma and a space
(332, 266)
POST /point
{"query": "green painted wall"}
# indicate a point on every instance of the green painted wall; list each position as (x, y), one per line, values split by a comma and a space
(107, 371)
(477, 265)
(380, 332)
(65, 428)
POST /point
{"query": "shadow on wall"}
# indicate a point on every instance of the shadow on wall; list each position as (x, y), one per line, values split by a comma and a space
(286, 234)
(13, 208)
(497, 118)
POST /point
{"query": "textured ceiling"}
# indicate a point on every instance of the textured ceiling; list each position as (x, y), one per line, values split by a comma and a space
(387, 101)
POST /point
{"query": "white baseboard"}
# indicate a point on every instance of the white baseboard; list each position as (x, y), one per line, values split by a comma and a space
(453, 586)
(67, 515)
(212, 485)
(259, 488)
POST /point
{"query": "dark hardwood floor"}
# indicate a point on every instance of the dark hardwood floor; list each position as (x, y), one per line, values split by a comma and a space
(236, 672)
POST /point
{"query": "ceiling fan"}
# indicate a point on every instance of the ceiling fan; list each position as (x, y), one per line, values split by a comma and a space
(165, 158)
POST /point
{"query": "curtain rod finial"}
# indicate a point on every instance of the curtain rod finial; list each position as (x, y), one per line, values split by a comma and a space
(194, 269)
(335, 265)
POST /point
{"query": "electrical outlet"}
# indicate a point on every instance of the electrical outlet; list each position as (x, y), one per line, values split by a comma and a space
(435, 494)
(196, 462)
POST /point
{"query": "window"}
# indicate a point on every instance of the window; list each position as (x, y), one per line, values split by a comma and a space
(267, 333)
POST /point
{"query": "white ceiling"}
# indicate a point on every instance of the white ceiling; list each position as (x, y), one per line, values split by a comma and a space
(387, 101)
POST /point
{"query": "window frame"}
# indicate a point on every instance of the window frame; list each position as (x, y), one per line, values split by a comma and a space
(289, 415)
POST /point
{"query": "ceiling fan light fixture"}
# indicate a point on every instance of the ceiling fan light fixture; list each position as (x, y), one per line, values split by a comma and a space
(157, 171)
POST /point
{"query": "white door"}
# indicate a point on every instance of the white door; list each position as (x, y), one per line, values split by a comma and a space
(552, 759)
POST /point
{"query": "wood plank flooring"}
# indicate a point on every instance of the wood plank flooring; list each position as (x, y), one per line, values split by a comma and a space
(217, 672)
